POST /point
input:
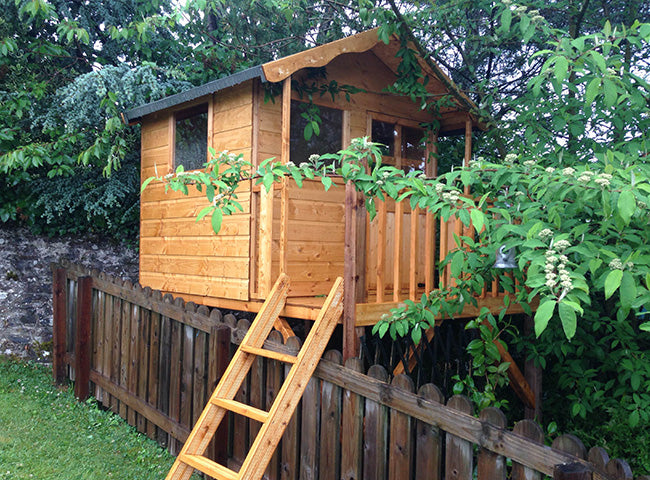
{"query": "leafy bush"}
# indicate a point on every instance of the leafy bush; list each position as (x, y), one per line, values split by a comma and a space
(89, 202)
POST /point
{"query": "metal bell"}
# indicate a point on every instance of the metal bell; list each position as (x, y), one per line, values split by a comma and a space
(505, 258)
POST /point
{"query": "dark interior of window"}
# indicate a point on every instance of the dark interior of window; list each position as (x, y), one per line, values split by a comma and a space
(191, 140)
(384, 133)
(328, 140)
(413, 149)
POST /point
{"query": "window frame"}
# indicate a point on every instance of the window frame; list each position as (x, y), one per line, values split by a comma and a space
(188, 111)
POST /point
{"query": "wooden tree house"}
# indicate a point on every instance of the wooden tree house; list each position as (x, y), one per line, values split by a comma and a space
(310, 234)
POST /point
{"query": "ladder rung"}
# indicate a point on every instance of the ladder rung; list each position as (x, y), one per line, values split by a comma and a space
(241, 409)
(206, 465)
(263, 352)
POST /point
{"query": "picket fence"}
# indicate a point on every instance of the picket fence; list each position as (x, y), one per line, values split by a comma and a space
(154, 360)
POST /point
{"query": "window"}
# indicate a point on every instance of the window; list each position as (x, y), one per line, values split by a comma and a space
(329, 139)
(408, 140)
(191, 137)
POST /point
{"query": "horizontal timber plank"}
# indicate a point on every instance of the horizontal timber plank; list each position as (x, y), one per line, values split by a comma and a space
(157, 137)
(369, 314)
(214, 266)
(235, 288)
(234, 96)
(152, 414)
(236, 117)
(328, 212)
(313, 251)
(233, 139)
(232, 225)
(184, 207)
(221, 245)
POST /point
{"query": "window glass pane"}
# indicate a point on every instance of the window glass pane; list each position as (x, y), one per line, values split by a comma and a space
(328, 140)
(191, 143)
(413, 149)
(384, 133)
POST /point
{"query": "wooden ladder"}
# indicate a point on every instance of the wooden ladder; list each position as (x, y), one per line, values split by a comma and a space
(276, 419)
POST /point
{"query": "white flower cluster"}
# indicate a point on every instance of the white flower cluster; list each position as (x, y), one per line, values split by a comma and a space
(556, 268)
(549, 170)
(215, 200)
(423, 176)
(510, 158)
(314, 157)
(568, 171)
(290, 164)
(451, 197)
(529, 163)
(545, 233)
(617, 264)
(585, 177)
(603, 179)
(440, 187)
(303, 165)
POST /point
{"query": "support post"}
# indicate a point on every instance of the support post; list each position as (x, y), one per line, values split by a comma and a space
(60, 318)
(572, 471)
(82, 340)
(533, 375)
(354, 269)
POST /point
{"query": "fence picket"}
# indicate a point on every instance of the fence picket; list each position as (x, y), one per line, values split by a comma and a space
(401, 435)
(375, 438)
(532, 431)
(125, 336)
(142, 361)
(154, 357)
(352, 428)
(428, 443)
(459, 457)
(239, 422)
(330, 438)
(274, 380)
(116, 354)
(164, 374)
(290, 444)
(570, 444)
(134, 347)
(310, 430)
(492, 466)
(176, 343)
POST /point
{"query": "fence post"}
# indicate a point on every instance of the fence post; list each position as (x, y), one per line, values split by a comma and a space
(60, 318)
(82, 340)
(572, 471)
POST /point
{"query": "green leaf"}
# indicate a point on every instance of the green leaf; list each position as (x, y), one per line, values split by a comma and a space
(146, 182)
(457, 262)
(506, 20)
(612, 282)
(628, 290)
(611, 92)
(543, 315)
(478, 219)
(561, 69)
(217, 217)
(568, 319)
(204, 212)
(626, 205)
(645, 326)
(327, 182)
(592, 91)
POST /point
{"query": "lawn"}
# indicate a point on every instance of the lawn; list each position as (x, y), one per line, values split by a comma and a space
(46, 434)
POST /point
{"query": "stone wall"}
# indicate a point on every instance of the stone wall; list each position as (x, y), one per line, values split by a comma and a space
(26, 282)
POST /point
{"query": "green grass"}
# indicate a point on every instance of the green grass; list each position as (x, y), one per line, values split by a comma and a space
(46, 434)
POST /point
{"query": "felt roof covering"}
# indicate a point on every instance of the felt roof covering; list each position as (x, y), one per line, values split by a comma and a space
(278, 70)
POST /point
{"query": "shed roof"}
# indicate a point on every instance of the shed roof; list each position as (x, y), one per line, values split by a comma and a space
(278, 70)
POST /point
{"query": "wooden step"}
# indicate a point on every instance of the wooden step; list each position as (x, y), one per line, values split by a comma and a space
(241, 409)
(209, 467)
(263, 352)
